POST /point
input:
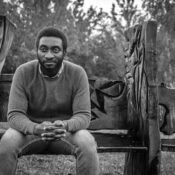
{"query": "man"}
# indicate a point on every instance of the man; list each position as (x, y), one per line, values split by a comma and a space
(49, 108)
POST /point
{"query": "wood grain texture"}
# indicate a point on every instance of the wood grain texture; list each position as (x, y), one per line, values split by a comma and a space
(7, 30)
(141, 74)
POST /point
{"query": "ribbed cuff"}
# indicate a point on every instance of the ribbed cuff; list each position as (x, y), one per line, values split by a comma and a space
(66, 125)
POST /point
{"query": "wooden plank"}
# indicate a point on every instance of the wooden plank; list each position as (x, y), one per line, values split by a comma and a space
(141, 74)
(135, 162)
(6, 37)
(168, 147)
(151, 67)
(107, 140)
(167, 142)
(110, 131)
(121, 149)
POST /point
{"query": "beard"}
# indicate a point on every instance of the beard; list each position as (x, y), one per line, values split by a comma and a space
(50, 68)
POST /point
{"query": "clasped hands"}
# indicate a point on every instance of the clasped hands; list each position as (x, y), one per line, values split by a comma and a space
(51, 131)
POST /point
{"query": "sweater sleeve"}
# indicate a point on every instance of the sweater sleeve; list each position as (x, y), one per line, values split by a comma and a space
(18, 104)
(81, 103)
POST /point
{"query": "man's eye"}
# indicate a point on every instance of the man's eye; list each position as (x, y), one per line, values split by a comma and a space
(43, 49)
(56, 50)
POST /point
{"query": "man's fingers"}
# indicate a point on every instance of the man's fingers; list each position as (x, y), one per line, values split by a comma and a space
(48, 138)
(60, 136)
(59, 123)
(46, 123)
(59, 131)
(50, 128)
(48, 134)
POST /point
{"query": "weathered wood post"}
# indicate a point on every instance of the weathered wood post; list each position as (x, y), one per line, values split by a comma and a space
(6, 37)
(7, 30)
(141, 78)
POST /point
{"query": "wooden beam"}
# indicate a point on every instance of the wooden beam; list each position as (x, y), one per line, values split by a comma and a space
(7, 29)
(151, 69)
(141, 75)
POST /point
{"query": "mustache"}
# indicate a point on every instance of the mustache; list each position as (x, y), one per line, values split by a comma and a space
(49, 61)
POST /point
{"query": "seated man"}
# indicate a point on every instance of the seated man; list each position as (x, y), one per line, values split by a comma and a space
(49, 108)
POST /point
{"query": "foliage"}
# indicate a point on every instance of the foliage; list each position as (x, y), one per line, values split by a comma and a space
(93, 43)
(124, 14)
(95, 38)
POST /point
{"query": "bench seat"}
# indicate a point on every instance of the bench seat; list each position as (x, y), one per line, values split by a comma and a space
(118, 140)
(107, 140)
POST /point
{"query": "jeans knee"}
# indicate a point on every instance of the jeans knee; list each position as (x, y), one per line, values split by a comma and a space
(85, 141)
(11, 140)
(12, 134)
(8, 161)
(8, 154)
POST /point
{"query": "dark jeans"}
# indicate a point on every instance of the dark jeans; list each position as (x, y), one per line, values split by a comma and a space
(81, 144)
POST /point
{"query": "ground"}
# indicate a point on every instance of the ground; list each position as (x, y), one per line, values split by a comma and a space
(110, 164)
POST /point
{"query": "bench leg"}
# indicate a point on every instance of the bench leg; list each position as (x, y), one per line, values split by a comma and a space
(135, 163)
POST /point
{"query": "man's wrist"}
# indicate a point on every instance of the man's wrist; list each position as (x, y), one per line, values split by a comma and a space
(65, 125)
(35, 129)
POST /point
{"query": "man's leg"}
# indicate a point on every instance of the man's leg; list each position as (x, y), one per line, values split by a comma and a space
(81, 144)
(12, 144)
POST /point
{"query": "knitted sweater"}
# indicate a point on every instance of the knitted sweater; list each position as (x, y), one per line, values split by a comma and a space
(35, 98)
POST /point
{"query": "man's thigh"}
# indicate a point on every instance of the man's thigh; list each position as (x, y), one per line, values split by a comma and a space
(82, 139)
(22, 144)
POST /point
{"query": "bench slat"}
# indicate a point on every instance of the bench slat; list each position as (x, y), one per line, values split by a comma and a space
(121, 149)
(108, 140)
(168, 147)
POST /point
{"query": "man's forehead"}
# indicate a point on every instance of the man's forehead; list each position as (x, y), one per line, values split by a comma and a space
(50, 40)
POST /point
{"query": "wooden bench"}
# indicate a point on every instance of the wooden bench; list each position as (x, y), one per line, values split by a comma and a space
(127, 116)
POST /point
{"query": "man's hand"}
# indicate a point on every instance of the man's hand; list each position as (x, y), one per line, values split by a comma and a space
(45, 130)
(50, 131)
(60, 130)
(60, 124)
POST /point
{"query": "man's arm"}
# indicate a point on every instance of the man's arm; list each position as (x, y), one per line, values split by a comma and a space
(17, 111)
(81, 103)
(18, 105)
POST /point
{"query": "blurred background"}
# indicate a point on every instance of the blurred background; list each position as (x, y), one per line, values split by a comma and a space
(95, 32)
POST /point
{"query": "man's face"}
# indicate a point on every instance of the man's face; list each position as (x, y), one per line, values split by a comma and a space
(50, 53)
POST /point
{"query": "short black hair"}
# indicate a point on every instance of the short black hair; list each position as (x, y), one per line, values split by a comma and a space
(52, 32)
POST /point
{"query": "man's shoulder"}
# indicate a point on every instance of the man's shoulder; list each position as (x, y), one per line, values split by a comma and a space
(72, 66)
(74, 72)
(28, 66)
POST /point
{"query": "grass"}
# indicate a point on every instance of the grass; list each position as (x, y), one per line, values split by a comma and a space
(110, 164)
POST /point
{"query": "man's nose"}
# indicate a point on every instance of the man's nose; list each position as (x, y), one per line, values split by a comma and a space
(49, 54)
